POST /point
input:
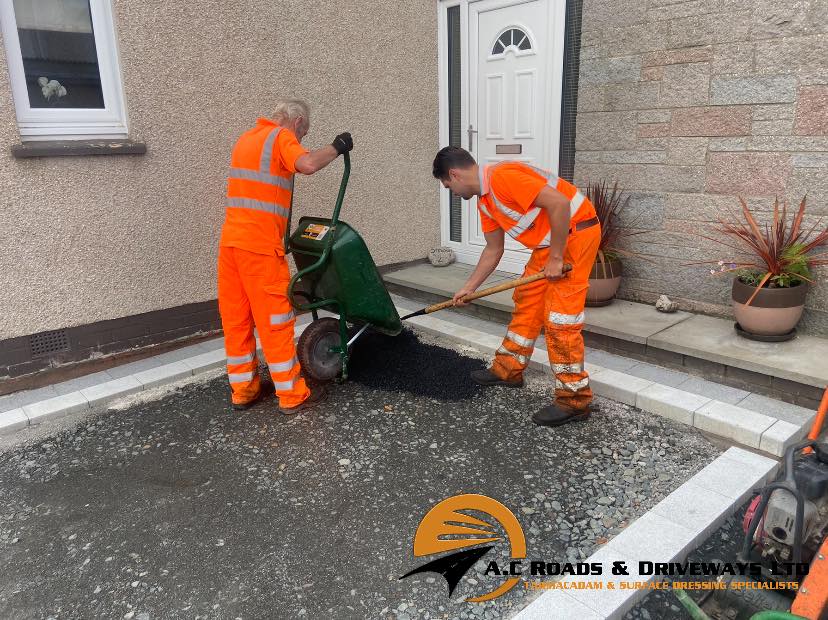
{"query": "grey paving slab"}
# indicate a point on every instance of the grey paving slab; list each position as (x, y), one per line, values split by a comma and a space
(82, 382)
(437, 280)
(20, 399)
(610, 603)
(801, 359)
(657, 374)
(740, 425)
(104, 393)
(731, 478)
(670, 402)
(56, 407)
(630, 321)
(132, 368)
(780, 435)
(161, 375)
(211, 345)
(695, 508)
(13, 420)
(557, 604)
(715, 391)
(617, 385)
(609, 360)
(206, 361)
(778, 409)
(654, 538)
(177, 355)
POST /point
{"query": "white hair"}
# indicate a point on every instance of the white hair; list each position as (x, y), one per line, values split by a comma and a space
(288, 109)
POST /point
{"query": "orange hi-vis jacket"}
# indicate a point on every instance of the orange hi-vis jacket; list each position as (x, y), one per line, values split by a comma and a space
(260, 188)
(508, 191)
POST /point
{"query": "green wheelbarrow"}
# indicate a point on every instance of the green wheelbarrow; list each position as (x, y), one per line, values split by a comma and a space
(335, 272)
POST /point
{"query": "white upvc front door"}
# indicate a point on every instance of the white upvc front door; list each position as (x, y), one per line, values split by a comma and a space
(511, 77)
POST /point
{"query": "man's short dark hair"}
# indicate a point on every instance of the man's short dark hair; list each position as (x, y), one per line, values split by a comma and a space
(451, 157)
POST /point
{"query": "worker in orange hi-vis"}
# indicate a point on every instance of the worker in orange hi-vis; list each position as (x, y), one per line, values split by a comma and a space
(253, 274)
(552, 218)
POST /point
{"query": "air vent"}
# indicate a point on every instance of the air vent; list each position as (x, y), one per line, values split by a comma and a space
(45, 343)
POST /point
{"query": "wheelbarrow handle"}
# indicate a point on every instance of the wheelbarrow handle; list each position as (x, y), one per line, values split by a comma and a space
(323, 258)
(504, 286)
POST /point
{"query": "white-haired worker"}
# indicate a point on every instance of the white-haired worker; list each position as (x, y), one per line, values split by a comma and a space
(253, 273)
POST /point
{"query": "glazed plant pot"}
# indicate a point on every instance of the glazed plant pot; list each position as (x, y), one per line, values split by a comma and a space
(604, 280)
(773, 313)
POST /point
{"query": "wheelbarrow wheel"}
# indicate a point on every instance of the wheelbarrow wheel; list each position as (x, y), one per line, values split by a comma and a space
(314, 350)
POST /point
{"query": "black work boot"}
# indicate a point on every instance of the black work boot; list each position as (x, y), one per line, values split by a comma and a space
(318, 393)
(557, 415)
(266, 389)
(487, 377)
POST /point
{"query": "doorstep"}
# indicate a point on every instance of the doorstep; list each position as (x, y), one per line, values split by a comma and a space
(793, 371)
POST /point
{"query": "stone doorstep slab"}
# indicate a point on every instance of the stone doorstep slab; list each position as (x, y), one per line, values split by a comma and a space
(744, 426)
(666, 533)
(100, 395)
(704, 337)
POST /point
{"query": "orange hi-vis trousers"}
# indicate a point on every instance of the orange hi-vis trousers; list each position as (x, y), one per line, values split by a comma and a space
(252, 291)
(558, 307)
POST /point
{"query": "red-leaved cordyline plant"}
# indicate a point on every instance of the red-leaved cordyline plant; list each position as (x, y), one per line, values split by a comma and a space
(608, 207)
(782, 251)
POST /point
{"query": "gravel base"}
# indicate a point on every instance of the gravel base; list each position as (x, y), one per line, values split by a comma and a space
(178, 507)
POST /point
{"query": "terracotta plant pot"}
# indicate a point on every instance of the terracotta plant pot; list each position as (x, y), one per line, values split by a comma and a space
(773, 312)
(604, 281)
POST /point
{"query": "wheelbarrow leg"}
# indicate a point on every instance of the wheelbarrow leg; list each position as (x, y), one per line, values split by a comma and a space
(343, 353)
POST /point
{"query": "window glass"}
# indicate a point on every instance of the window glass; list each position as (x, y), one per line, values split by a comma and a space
(60, 59)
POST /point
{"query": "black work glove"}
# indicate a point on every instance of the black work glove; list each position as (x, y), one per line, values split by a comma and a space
(343, 143)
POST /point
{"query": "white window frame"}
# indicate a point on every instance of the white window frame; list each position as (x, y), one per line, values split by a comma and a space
(64, 123)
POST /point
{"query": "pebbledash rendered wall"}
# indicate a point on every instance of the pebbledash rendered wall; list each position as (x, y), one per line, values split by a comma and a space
(691, 104)
(83, 239)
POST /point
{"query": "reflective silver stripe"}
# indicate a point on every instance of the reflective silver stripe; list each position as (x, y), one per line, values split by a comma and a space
(483, 208)
(504, 209)
(520, 358)
(525, 221)
(240, 359)
(568, 369)
(283, 366)
(546, 174)
(520, 340)
(575, 203)
(284, 385)
(574, 386)
(566, 319)
(258, 205)
(261, 177)
(267, 150)
(279, 319)
(240, 377)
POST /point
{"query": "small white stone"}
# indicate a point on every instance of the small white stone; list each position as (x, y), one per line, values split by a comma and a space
(344, 461)
(441, 257)
(665, 304)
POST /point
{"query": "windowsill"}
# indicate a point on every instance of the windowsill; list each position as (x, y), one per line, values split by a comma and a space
(59, 148)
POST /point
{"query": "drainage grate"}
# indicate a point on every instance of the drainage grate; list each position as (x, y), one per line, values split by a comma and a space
(45, 343)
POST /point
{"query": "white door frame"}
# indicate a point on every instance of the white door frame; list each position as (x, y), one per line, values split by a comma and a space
(513, 260)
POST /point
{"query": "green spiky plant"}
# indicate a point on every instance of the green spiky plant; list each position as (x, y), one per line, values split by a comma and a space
(782, 253)
(609, 204)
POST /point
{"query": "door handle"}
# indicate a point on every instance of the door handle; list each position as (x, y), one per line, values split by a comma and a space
(471, 130)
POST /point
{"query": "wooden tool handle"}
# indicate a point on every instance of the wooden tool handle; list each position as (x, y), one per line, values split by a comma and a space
(503, 286)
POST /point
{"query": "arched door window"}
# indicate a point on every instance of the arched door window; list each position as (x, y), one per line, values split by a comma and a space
(514, 39)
